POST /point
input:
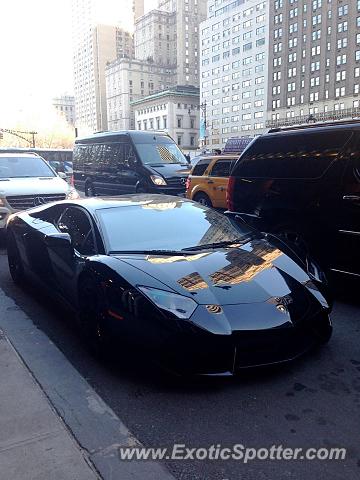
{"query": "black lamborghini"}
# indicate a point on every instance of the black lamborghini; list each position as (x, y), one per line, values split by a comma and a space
(200, 290)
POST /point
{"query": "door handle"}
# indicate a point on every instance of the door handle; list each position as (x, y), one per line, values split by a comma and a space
(210, 181)
(352, 198)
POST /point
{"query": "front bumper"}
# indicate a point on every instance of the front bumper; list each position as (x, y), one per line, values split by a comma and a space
(207, 354)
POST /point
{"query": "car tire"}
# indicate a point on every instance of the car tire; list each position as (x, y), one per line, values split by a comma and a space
(89, 189)
(203, 199)
(16, 266)
(92, 316)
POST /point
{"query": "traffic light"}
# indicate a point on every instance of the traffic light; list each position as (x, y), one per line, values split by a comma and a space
(1, 135)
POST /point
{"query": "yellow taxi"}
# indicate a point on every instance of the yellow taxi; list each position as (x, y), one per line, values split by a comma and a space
(208, 180)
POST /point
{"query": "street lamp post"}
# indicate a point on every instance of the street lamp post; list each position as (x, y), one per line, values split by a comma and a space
(203, 107)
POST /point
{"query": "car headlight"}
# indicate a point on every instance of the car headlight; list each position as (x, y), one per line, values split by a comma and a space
(182, 307)
(72, 194)
(158, 180)
(2, 202)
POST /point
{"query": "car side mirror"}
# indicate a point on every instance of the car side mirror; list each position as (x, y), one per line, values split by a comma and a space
(58, 240)
(62, 175)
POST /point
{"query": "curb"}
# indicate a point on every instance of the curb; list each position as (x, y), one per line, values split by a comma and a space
(94, 425)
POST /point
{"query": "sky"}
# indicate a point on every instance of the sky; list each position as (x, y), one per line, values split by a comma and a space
(35, 55)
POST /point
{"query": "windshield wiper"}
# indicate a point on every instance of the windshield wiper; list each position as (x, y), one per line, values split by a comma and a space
(228, 243)
(148, 252)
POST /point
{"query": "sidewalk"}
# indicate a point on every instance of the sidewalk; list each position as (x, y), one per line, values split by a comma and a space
(37, 416)
(34, 443)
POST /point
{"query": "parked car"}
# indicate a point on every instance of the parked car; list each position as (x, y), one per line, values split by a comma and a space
(114, 163)
(65, 169)
(304, 183)
(190, 286)
(208, 180)
(60, 159)
(27, 180)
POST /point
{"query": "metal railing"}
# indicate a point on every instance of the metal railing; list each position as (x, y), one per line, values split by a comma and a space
(330, 116)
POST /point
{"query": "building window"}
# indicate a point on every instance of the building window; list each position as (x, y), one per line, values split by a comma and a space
(179, 122)
(179, 140)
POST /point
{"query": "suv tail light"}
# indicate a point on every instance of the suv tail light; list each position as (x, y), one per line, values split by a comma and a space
(230, 194)
(187, 184)
(72, 182)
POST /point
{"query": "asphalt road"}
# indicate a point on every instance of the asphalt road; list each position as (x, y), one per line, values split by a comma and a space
(313, 402)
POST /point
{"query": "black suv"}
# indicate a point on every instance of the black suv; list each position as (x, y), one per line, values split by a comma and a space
(304, 183)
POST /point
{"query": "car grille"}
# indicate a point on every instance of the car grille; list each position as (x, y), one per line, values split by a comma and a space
(176, 182)
(22, 202)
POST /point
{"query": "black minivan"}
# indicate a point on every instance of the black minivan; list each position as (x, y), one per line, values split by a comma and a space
(304, 183)
(114, 163)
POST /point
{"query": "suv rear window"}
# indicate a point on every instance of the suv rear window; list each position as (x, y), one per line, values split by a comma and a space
(201, 166)
(292, 155)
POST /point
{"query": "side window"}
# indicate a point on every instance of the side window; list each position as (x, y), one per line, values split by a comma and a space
(129, 154)
(221, 168)
(201, 167)
(88, 158)
(79, 156)
(292, 155)
(98, 157)
(111, 154)
(76, 223)
(357, 167)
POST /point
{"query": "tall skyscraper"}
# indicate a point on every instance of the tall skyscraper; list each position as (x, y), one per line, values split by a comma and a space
(169, 35)
(314, 61)
(166, 52)
(97, 40)
(138, 9)
(234, 69)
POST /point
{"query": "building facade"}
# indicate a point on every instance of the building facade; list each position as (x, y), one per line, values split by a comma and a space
(234, 43)
(166, 54)
(155, 38)
(175, 111)
(170, 35)
(65, 106)
(128, 80)
(315, 61)
(96, 41)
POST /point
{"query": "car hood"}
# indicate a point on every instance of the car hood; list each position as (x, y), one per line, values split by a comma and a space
(248, 274)
(32, 186)
(171, 170)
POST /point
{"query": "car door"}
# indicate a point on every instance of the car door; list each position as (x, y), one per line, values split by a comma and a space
(218, 182)
(67, 263)
(348, 247)
(104, 172)
(127, 172)
(33, 250)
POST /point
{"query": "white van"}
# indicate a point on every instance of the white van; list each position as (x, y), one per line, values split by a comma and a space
(26, 181)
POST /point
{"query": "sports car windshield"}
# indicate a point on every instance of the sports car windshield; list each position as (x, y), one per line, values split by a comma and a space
(167, 226)
(24, 167)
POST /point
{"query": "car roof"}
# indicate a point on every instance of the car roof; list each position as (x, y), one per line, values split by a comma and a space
(136, 199)
(219, 157)
(17, 155)
(312, 129)
(111, 135)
